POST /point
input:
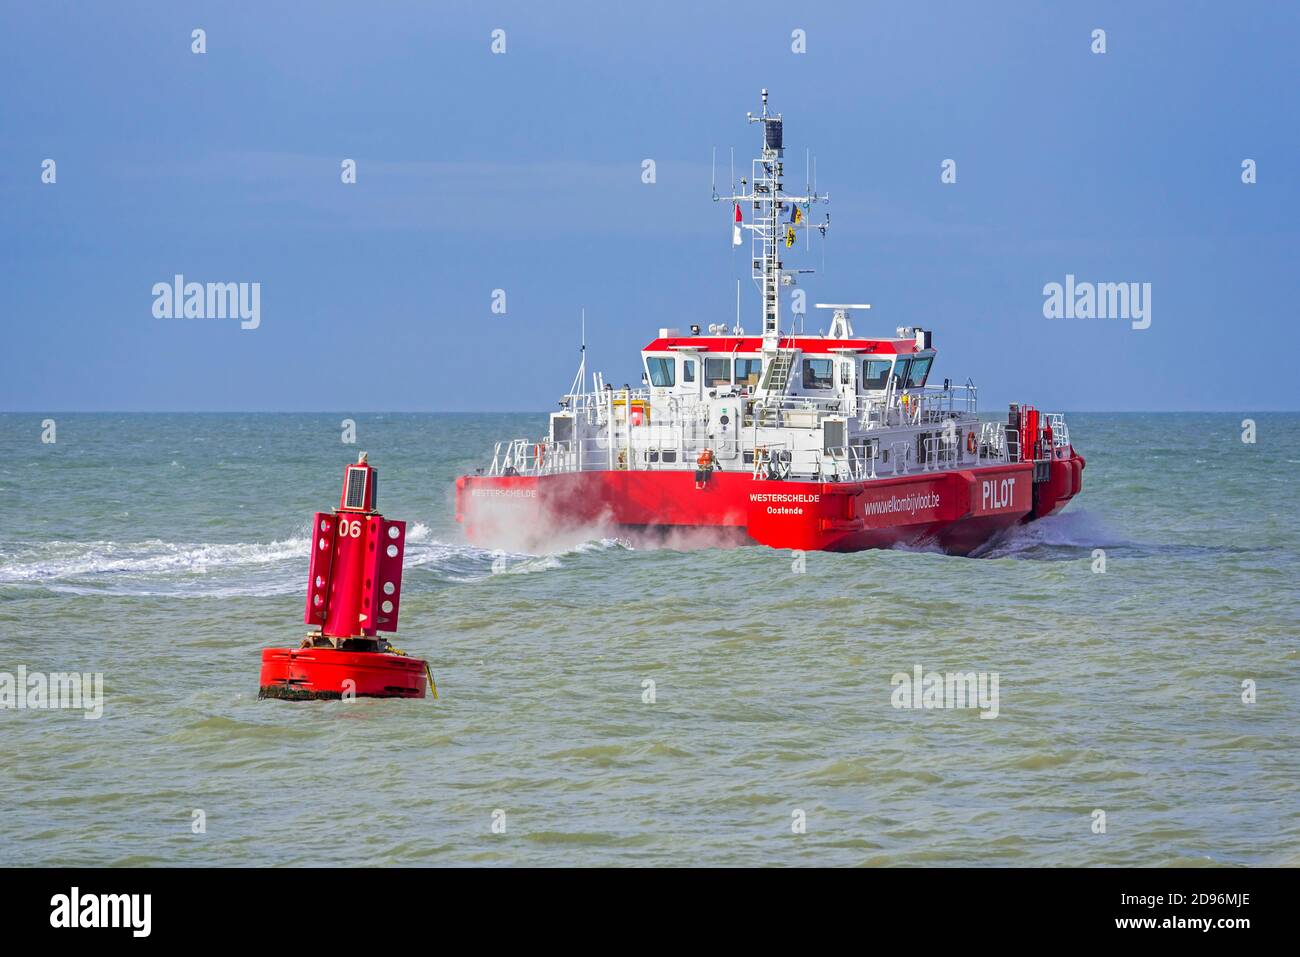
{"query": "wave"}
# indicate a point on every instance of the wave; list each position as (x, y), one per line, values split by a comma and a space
(1069, 534)
(464, 563)
(155, 568)
(1060, 535)
(919, 548)
(67, 560)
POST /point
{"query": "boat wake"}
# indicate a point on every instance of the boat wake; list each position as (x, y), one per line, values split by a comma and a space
(156, 568)
(1057, 537)
(463, 563)
(105, 560)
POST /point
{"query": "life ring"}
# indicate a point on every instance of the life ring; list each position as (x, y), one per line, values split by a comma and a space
(970, 443)
(541, 453)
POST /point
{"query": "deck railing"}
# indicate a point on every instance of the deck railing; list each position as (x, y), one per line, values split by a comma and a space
(859, 461)
(676, 443)
(1060, 431)
(893, 406)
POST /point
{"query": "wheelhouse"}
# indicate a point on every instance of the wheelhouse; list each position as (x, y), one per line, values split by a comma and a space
(712, 366)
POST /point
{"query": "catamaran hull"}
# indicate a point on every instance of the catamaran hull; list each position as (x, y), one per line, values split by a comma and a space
(957, 510)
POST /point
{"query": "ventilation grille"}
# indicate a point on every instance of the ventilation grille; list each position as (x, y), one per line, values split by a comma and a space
(356, 497)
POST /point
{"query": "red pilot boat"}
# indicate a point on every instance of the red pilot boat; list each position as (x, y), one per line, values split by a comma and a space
(834, 441)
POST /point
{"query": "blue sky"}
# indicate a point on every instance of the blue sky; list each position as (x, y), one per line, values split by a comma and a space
(523, 172)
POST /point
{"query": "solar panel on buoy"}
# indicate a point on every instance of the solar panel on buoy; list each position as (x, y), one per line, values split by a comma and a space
(356, 492)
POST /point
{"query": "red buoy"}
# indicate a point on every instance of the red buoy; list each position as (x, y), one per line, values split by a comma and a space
(303, 673)
(353, 592)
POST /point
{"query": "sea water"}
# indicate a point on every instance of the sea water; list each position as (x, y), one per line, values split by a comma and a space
(613, 703)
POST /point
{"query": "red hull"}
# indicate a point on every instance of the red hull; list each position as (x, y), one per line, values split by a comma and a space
(957, 510)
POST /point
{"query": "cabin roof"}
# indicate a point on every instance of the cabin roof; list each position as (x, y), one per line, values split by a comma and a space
(810, 344)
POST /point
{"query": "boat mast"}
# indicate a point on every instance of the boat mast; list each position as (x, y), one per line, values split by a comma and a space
(767, 202)
(575, 390)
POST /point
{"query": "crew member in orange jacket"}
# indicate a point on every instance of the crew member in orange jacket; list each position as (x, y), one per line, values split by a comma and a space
(703, 466)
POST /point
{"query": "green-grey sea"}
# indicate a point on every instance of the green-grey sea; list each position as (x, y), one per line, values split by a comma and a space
(616, 703)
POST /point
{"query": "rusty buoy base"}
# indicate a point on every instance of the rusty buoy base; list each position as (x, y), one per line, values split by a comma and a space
(308, 674)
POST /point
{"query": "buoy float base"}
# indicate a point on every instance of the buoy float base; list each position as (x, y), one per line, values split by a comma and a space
(306, 674)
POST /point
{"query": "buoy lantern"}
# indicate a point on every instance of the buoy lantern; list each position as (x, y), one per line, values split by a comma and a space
(354, 590)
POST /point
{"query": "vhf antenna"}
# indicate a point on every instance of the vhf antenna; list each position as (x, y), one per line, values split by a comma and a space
(713, 177)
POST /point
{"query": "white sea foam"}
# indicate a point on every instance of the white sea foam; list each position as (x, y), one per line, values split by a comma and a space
(1067, 530)
(61, 561)
(461, 562)
(71, 560)
(155, 568)
(930, 547)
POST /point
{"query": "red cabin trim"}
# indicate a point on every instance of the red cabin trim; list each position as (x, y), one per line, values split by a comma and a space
(811, 344)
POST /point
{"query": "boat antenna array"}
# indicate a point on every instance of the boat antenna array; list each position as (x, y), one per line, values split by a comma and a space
(764, 195)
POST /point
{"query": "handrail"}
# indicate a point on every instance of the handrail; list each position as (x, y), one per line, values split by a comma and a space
(857, 461)
(1060, 431)
(888, 407)
(672, 444)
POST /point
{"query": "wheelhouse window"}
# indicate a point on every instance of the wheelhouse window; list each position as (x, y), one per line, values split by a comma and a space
(875, 373)
(748, 371)
(663, 371)
(900, 372)
(688, 370)
(920, 369)
(717, 371)
(817, 374)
